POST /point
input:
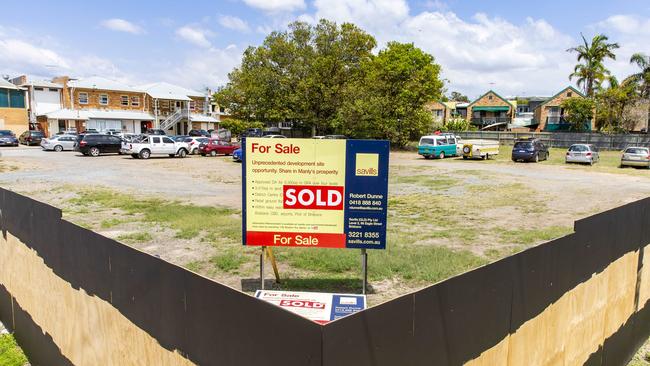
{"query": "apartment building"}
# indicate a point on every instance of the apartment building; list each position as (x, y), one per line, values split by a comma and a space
(550, 116)
(13, 108)
(441, 111)
(43, 96)
(177, 109)
(491, 110)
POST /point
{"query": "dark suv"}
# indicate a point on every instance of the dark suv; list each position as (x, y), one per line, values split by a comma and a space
(31, 138)
(199, 133)
(96, 144)
(7, 138)
(529, 150)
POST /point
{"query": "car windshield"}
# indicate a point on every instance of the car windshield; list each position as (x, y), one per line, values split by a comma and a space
(5, 133)
(524, 145)
(636, 150)
(37, 133)
(426, 141)
(578, 148)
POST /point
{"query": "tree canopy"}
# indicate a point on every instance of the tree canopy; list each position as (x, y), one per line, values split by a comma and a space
(590, 71)
(325, 78)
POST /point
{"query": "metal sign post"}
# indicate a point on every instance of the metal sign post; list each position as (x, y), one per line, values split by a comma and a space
(262, 268)
(364, 269)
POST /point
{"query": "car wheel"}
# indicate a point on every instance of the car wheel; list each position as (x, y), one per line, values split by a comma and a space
(194, 151)
(213, 153)
(145, 154)
(537, 158)
(94, 151)
(58, 148)
(182, 153)
(487, 156)
(442, 155)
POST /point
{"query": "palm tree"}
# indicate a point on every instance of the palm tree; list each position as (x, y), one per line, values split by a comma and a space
(591, 72)
(641, 79)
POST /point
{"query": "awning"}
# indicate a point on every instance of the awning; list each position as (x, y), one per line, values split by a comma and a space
(98, 114)
(499, 108)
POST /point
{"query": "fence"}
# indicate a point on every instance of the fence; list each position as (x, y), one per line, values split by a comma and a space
(74, 297)
(564, 139)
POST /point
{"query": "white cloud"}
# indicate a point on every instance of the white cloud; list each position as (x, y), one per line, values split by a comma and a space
(122, 25)
(195, 36)
(205, 68)
(365, 13)
(19, 56)
(234, 23)
(276, 5)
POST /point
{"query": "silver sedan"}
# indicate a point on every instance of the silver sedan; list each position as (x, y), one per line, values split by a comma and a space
(636, 156)
(582, 153)
(59, 143)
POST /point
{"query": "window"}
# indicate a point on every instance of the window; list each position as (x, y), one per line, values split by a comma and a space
(38, 88)
(17, 99)
(167, 140)
(103, 99)
(489, 97)
(135, 101)
(124, 100)
(155, 140)
(569, 94)
(83, 98)
(222, 109)
(4, 98)
(192, 105)
(53, 90)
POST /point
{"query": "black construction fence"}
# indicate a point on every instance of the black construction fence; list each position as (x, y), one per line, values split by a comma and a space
(564, 139)
(448, 323)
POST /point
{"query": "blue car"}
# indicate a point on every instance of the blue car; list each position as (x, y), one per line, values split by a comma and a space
(236, 155)
(7, 138)
(529, 150)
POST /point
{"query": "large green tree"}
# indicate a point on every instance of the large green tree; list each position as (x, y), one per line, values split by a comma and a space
(641, 79)
(299, 75)
(590, 71)
(388, 102)
(611, 104)
(578, 111)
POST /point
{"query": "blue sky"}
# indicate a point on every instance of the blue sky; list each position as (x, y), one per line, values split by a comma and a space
(514, 47)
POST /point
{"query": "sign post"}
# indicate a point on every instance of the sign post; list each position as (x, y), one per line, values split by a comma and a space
(315, 194)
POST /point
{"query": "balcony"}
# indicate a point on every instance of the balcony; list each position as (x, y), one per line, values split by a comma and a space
(486, 121)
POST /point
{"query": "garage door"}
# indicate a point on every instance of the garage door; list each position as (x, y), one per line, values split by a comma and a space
(104, 124)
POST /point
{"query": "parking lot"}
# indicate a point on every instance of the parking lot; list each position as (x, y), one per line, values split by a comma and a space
(445, 216)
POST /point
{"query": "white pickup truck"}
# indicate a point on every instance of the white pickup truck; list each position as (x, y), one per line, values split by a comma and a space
(156, 145)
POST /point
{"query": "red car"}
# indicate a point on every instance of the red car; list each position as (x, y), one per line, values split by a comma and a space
(215, 146)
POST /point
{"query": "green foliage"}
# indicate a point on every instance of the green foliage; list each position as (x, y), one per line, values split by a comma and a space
(611, 103)
(389, 101)
(459, 124)
(325, 78)
(230, 260)
(592, 72)
(458, 97)
(10, 353)
(579, 111)
(237, 126)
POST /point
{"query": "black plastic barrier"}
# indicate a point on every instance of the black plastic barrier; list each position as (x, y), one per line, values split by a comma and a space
(449, 323)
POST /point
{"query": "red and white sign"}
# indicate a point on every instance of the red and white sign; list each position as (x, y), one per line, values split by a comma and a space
(312, 197)
(319, 307)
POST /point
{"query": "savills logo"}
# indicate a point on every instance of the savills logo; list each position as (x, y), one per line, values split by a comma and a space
(367, 165)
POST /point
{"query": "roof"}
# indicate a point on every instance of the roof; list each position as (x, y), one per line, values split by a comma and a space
(4, 84)
(98, 114)
(97, 82)
(450, 104)
(42, 83)
(202, 118)
(462, 105)
(560, 92)
(495, 93)
(163, 90)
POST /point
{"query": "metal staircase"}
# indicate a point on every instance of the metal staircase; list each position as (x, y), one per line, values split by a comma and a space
(174, 118)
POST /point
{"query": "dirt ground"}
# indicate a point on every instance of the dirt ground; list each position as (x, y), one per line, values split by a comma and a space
(554, 197)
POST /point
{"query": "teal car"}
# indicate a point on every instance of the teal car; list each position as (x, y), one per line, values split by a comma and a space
(438, 146)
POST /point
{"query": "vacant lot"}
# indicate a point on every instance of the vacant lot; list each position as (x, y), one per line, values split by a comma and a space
(445, 217)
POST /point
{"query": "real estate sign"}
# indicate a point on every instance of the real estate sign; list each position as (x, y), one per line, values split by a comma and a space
(315, 193)
(319, 307)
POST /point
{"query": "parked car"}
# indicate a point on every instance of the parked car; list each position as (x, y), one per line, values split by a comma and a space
(529, 150)
(157, 145)
(582, 153)
(59, 143)
(194, 143)
(237, 155)
(336, 137)
(31, 138)
(215, 146)
(8, 138)
(636, 156)
(437, 146)
(155, 131)
(479, 149)
(274, 137)
(253, 132)
(179, 138)
(91, 130)
(318, 137)
(199, 133)
(95, 144)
